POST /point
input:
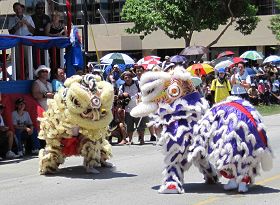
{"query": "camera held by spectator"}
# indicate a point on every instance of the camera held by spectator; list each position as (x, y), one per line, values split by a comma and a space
(123, 99)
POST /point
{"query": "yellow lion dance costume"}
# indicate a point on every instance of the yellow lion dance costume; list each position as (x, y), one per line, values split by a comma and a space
(76, 124)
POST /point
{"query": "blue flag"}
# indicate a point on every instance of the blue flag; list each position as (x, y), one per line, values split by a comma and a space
(74, 55)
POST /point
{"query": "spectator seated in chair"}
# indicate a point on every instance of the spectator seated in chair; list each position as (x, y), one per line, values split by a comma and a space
(6, 137)
(253, 94)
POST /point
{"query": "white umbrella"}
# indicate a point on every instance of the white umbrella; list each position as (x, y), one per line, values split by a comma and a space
(223, 64)
(272, 58)
(117, 58)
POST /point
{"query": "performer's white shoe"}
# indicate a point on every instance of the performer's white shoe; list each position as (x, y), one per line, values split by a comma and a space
(231, 185)
(242, 188)
(107, 164)
(170, 188)
(92, 170)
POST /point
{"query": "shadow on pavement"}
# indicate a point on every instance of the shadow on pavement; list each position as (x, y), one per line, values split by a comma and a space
(259, 189)
(17, 160)
(80, 172)
(134, 144)
(202, 188)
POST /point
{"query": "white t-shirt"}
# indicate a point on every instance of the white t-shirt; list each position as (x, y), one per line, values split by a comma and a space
(22, 31)
(1, 121)
(21, 120)
(275, 86)
(133, 92)
(237, 89)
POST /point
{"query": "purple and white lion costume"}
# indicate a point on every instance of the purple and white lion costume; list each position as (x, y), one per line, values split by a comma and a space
(229, 139)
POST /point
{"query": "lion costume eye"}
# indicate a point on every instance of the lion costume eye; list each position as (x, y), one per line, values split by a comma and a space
(88, 82)
(95, 102)
(92, 85)
(87, 78)
(174, 91)
(64, 93)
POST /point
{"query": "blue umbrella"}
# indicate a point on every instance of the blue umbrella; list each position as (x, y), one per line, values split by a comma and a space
(251, 71)
(178, 59)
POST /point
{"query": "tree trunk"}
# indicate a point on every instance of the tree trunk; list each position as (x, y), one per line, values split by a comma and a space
(188, 38)
(224, 30)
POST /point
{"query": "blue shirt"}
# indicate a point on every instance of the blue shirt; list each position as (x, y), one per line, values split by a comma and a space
(56, 84)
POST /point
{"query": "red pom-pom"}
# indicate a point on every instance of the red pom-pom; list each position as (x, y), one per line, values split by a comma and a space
(70, 146)
(172, 186)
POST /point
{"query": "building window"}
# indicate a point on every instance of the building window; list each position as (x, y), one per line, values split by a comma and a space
(266, 7)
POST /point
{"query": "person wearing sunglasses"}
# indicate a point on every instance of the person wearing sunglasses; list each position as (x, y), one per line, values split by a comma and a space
(41, 20)
(42, 88)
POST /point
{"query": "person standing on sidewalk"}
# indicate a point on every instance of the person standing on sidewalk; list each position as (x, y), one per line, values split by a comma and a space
(131, 88)
(241, 82)
(220, 87)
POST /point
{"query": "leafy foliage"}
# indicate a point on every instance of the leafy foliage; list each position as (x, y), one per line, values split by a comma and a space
(180, 18)
(275, 23)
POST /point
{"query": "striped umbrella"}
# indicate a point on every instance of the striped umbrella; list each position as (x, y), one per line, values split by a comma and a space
(252, 55)
(117, 58)
(200, 69)
(149, 64)
(148, 58)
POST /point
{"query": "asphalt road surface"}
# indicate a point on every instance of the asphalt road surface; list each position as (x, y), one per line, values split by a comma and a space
(133, 181)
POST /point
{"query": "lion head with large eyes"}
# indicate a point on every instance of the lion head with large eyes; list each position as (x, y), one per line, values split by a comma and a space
(163, 87)
(84, 102)
(89, 100)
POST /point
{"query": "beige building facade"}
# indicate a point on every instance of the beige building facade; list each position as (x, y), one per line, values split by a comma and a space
(112, 37)
(109, 37)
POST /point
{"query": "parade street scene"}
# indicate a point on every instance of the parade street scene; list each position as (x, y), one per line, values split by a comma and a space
(139, 102)
(135, 179)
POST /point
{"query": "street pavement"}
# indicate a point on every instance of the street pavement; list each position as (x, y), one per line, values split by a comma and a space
(134, 180)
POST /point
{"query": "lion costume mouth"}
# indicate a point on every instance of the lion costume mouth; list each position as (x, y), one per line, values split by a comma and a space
(92, 114)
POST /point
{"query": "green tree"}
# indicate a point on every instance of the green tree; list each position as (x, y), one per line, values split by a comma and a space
(180, 18)
(275, 23)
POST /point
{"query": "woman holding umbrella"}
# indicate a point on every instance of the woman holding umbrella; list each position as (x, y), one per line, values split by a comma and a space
(240, 81)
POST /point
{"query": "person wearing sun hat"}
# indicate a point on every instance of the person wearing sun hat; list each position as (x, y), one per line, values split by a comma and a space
(41, 88)
(220, 87)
